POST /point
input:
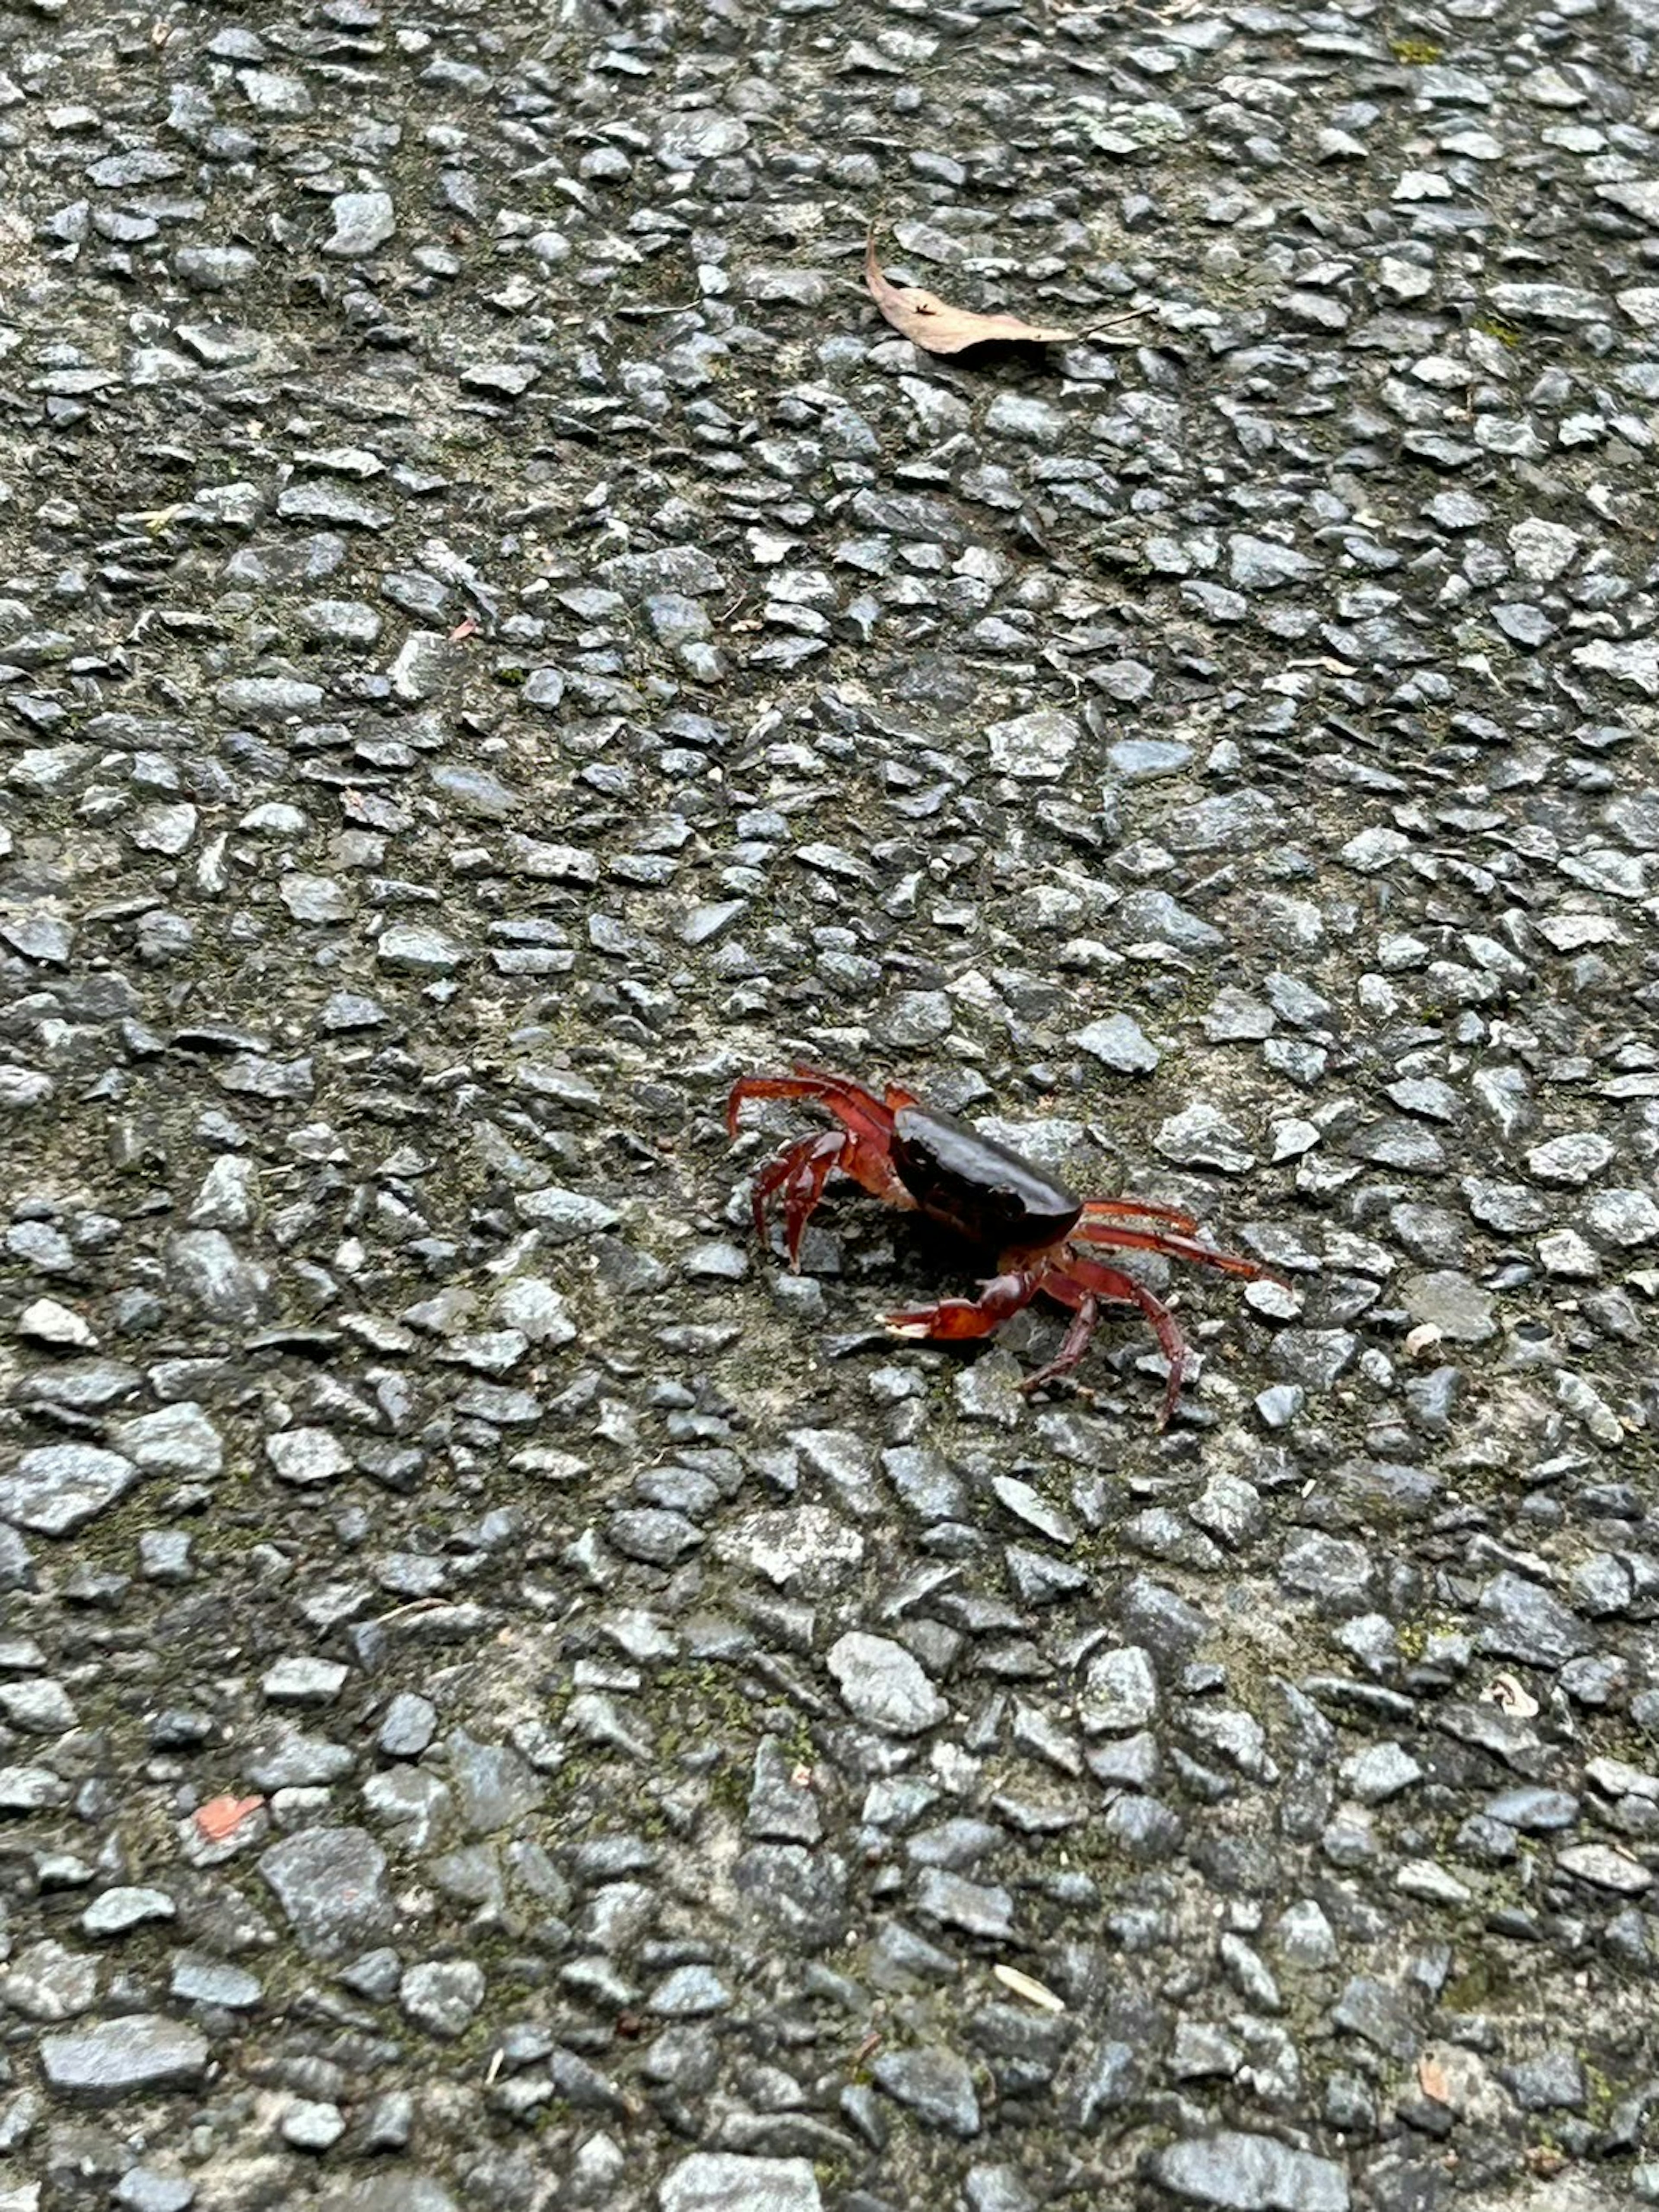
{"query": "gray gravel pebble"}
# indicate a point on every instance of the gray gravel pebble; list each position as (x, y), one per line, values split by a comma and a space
(330, 1883)
(1251, 2173)
(708, 2181)
(884, 1685)
(140, 2053)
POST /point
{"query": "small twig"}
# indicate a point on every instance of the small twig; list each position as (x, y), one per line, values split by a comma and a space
(1117, 322)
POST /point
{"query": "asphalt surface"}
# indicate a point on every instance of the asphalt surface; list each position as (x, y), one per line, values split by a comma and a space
(508, 1699)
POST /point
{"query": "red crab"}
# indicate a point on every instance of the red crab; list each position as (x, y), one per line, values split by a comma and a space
(915, 1157)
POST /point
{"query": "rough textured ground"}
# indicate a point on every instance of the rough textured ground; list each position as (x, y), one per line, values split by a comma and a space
(496, 638)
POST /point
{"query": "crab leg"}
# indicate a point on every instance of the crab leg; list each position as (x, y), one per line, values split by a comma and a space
(1186, 1222)
(1084, 1321)
(1174, 1248)
(801, 1171)
(864, 1151)
(855, 1108)
(805, 1187)
(1078, 1279)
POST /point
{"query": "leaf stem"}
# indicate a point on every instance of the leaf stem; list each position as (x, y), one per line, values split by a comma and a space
(1134, 315)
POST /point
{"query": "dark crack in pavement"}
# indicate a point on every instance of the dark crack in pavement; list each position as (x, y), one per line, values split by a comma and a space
(508, 1699)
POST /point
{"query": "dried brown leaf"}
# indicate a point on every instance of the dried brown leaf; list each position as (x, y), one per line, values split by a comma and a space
(1432, 2080)
(936, 326)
